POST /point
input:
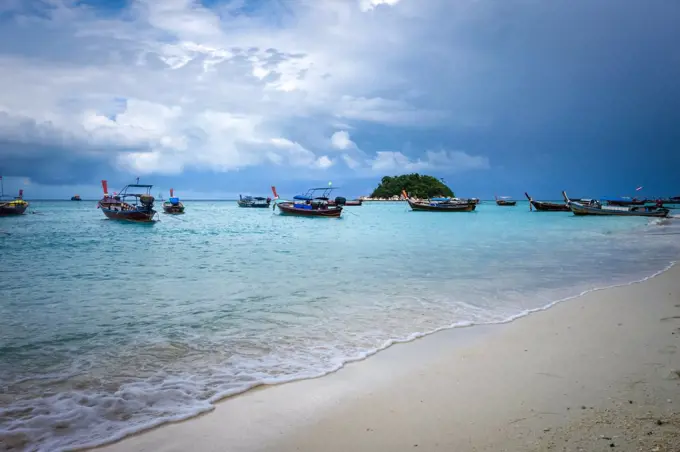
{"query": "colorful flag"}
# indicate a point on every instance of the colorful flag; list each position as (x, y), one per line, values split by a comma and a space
(639, 188)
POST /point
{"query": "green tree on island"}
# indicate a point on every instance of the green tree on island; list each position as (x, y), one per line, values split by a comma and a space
(416, 185)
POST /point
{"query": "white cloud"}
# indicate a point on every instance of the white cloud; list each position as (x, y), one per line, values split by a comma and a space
(174, 85)
(356, 159)
(451, 161)
(324, 162)
(350, 162)
(367, 5)
(340, 140)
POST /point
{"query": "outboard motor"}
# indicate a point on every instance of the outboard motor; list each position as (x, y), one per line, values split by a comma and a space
(146, 200)
(340, 201)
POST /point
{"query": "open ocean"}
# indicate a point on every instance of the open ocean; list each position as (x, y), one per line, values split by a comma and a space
(107, 328)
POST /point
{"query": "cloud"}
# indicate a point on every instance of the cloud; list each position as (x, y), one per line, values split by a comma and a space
(449, 161)
(340, 140)
(350, 162)
(324, 162)
(367, 5)
(194, 87)
(169, 86)
(356, 159)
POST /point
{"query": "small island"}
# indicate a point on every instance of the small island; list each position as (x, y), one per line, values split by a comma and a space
(416, 185)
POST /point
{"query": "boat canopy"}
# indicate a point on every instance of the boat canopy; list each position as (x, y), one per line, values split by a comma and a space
(302, 197)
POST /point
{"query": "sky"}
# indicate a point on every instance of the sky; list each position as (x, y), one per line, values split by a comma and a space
(220, 97)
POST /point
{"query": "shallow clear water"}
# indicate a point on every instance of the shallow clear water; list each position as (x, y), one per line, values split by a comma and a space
(108, 327)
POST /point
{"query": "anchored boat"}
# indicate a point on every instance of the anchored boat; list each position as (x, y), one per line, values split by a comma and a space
(11, 207)
(257, 202)
(173, 205)
(76, 198)
(505, 201)
(129, 204)
(623, 201)
(441, 204)
(349, 203)
(314, 203)
(594, 207)
(545, 206)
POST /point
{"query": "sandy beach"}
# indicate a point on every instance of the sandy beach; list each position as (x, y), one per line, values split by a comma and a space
(598, 372)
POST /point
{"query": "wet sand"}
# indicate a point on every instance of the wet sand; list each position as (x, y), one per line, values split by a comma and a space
(600, 372)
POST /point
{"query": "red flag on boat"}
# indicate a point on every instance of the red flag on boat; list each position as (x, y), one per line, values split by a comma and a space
(105, 186)
(639, 188)
(21, 193)
(276, 195)
(171, 192)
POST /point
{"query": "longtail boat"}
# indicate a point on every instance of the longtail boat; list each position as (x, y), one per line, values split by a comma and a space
(173, 205)
(257, 202)
(440, 204)
(505, 201)
(76, 198)
(11, 207)
(671, 200)
(128, 206)
(545, 206)
(594, 207)
(349, 203)
(314, 203)
(624, 201)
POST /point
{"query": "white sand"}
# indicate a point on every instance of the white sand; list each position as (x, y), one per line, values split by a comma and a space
(593, 373)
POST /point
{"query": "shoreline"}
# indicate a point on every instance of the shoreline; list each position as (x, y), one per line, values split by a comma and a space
(250, 400)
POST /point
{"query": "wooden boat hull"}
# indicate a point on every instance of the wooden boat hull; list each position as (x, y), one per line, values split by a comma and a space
(544, 206)
(253, 205)
(623, 203)
(287, 208)
(581, 210)
(173, 209)
(506, 203)
(8, 210)
(422, 207)
(352, 203)
(140, 216)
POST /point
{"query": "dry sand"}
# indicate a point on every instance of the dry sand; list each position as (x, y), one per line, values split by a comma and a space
(600, 372)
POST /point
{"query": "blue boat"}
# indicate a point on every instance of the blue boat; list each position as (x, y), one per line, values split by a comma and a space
(173, 205)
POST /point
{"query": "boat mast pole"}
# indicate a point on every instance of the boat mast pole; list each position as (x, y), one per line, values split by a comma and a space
(2, 187)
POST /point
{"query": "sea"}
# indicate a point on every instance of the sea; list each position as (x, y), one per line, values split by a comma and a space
(110, 328)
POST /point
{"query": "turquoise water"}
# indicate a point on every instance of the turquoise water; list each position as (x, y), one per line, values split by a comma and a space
(107, 328)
